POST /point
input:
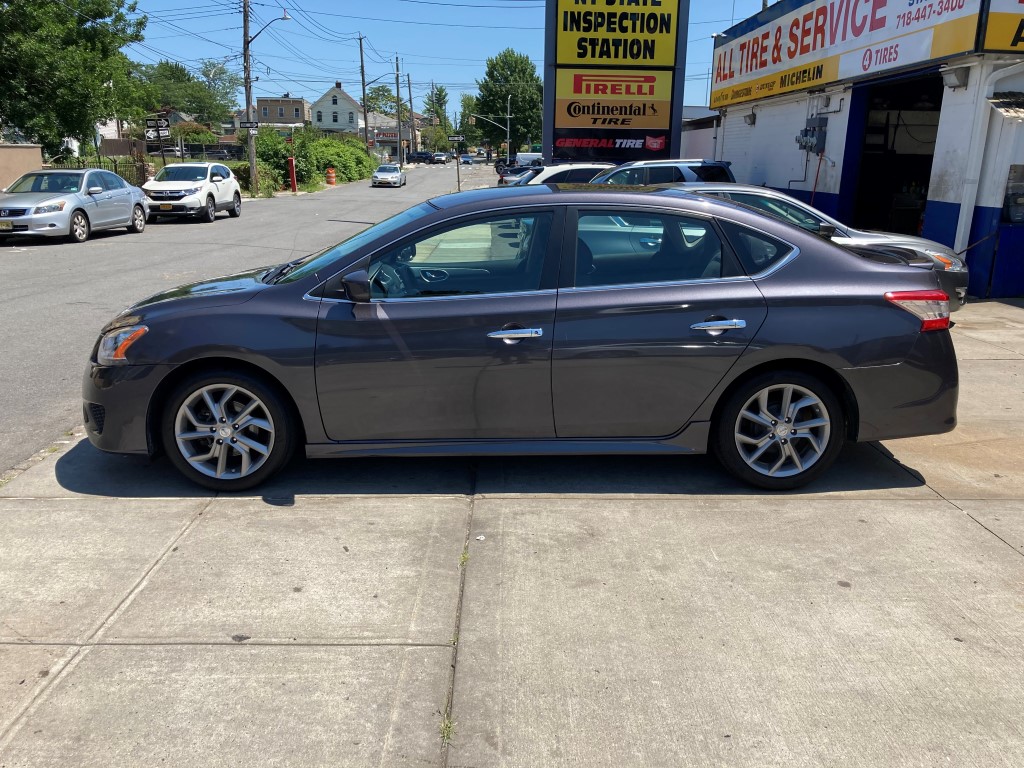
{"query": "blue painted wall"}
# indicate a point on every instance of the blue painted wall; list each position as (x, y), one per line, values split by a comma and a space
(940, 221)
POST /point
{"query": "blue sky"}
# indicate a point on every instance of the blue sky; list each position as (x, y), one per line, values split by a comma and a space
(447, 42)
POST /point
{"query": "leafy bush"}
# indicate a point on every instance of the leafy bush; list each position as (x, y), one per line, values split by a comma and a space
(270, 179)
(314, 153)
(193, 133)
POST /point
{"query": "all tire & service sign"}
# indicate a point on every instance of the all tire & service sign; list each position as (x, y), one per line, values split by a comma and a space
(613, 82)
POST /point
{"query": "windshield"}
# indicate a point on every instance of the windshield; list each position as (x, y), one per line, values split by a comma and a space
(388, 169)
(318, 261)
(182, 173)
(55, 183)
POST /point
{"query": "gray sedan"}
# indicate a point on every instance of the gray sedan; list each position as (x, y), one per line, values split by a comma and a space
(388, 176)
(540, 320)
(71, 203)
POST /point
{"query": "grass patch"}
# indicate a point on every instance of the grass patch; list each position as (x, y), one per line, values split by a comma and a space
(447, 729)
(464, 558)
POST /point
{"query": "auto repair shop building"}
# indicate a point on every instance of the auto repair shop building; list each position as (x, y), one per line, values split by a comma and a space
(899, 115)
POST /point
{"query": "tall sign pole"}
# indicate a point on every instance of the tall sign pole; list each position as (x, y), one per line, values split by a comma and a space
(613, 79)
(250, 115)
(362, 75)
(398, 113)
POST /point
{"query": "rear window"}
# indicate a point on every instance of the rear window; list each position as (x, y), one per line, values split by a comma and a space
(664, 174)
(711, 172)
(757, 251)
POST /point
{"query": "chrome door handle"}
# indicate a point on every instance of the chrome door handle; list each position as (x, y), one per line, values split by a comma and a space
(718, 327)
(515, 335)
(650, 242)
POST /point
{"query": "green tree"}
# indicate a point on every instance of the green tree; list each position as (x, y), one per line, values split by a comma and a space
(61, 66)
(193, 133)
(435, 107)
(510, 74)
(381, 98)
(467, 123)
(174, 86)
(435, 138)
(221, 82)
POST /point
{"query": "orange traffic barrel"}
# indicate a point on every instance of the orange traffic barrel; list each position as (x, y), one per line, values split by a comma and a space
(331, 179)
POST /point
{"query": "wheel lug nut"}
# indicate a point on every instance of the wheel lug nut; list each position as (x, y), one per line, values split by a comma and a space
(223, 420)
(787, 421)
(233, 440)
(220, 442)
(213, 429)
(774, 423)
(783, 442)
(234, 426)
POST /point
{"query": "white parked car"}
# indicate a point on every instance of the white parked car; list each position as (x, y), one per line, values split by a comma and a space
(193, 189)
(566, 173)
(388, 176)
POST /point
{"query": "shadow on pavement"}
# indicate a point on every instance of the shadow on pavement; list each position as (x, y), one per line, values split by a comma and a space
(860, 468)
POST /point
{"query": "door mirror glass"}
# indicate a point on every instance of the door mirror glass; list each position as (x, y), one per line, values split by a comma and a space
(217, 177)
(827, 231)
(357, 285)
(95, 190)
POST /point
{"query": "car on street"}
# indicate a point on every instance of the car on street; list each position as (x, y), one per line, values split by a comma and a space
(566, 173)
(199, 190)
(71, 203)
(951, 269)
(420, 157)
(440, 157)
(388, 176)
(643, 172)
(535, 320)
(466, 159)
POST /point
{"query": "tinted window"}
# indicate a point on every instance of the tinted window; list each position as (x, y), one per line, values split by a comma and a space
(47, 182)
(182, 173)
(711, 173)
(581, 175)
(111, 182)
(780, 209)
(497, 255)
(558, 178)
(630, 176)
(224, 172)
(664, 174)
(617, 249)
(756, 250)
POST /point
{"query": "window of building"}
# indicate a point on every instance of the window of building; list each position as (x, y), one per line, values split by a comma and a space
(266, 112)
(319, 116)
(334, 100)
(280, 111)
(296, 112)
(351, 117)
(334, 117)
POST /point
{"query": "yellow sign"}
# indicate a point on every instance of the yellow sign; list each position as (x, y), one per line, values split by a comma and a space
(638, 33)
(613, 98)
(1005, 28)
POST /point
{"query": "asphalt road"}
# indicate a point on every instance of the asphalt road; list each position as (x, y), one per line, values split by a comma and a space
(55, 296)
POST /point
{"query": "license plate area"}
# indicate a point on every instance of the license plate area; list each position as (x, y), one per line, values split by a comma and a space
(166, 207)
(6, 226)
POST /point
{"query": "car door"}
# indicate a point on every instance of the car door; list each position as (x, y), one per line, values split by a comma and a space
(99, 207)
(455, 342)
(120, 198)
(642, 338)
(225, 189)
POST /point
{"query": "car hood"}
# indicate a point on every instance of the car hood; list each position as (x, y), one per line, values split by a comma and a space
(894, 238)
(217, 292)
(173, 186)
(29, 199)
(388, 175)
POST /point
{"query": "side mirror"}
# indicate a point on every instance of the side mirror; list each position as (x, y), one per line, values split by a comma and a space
(94, 191)
(357, 285)
(216, 177)
(827, 231)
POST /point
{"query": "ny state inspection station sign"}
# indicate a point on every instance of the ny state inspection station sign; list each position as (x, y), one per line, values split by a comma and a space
(612, 79)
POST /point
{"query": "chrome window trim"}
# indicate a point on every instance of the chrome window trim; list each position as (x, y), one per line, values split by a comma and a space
(461, 297)
(784, 261)
(673, 284)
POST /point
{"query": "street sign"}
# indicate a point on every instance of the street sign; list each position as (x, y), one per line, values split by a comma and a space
(158, 122)
(153, 133)
(455, 139)
(254, 131)
(248, 124)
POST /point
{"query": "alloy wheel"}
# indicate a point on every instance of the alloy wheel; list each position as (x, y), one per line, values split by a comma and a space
(782, 430)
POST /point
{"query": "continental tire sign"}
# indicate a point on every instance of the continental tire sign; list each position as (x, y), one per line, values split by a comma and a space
(611, 86)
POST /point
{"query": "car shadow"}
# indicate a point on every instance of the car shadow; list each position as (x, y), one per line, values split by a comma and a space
(861, 467)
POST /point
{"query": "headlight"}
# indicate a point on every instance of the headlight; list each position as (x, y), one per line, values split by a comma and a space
(115, 344)
(51, 208)
(949, 260)
(193, 191)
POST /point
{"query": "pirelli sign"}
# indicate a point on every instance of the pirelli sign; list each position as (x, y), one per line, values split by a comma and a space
(612, 79)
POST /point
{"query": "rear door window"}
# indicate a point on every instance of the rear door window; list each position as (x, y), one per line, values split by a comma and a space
(757, 251)
(664, 174)
(711, 173)
(627, 176)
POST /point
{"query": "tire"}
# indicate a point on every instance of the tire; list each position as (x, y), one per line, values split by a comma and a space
(197, 457)
(80, 229)
(236, 206)
(754, 442)
(209, 211)
(138, 223)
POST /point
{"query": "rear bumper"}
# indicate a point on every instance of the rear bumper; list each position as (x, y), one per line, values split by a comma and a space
(116, 403)
(915, 397)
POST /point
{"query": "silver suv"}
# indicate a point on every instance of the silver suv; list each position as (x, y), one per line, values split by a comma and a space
(642, 172)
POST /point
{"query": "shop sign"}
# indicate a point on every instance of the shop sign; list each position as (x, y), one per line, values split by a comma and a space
(1004, 30)
(825, 41)
(387, 135)
(599, 144)
(617, 32)
(613, 98)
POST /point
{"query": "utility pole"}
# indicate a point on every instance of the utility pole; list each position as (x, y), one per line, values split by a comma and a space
(362, 75)
(398, 113)
(249, 112)
(412, 122)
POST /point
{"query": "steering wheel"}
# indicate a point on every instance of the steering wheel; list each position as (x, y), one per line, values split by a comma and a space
(389, 281)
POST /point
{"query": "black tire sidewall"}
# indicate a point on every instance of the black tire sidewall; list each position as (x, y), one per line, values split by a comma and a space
(206, 215)
(236, 206)
(723, 436)
(284, 430)
(88, 227)
(132, 227)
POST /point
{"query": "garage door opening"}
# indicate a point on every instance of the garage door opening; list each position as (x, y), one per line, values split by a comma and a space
(896, 153)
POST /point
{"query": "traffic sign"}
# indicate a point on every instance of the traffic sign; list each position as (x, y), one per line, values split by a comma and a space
(153, 133)
(158, 122)
(254, 131)
(455, 139)
(248, 124)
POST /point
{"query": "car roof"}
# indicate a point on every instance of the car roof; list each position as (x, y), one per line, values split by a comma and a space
(696, 161)
(62, 170)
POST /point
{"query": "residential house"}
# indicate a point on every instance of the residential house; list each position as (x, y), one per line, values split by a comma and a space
(282, 112)
(337, 112)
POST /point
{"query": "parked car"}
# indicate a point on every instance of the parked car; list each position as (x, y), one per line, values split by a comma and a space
(194, 189)
(440, 157)
(388, 176)
(219, 154)
(684, 324)
(951, 269)
(466, 159)
(420, 157)
(72, 204)
(512, 173)
(567, 173)
(642, 172)
(166, 152)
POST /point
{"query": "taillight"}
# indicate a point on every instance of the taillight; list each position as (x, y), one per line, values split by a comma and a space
(930, 307)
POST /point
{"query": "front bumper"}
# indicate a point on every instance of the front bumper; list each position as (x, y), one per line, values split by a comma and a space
(187, 206)
(386, 182)
(56, 224)
(116, 405)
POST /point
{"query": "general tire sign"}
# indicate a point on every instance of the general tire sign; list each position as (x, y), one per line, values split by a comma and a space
(613, 84)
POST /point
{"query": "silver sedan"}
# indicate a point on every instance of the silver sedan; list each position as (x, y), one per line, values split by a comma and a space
(388, 176)
(71, 203)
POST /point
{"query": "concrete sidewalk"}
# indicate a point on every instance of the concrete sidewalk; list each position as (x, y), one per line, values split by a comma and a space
(529, 612)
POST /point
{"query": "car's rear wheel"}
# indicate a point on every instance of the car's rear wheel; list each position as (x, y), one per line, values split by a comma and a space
(79, 231)
(236, 206)
(779, 430)
(227, 430)
(138, 222)
(209, 212)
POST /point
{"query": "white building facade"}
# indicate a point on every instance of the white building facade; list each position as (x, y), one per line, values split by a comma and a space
(337, 112)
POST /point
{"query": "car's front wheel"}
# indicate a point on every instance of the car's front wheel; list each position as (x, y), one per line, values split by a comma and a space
(236, 206)
(227, 430)
(209, 211)
(138, 222)
(779, 430)
(79, 231)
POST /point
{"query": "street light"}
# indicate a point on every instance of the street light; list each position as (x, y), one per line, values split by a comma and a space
(247, 75)
(508, 126)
